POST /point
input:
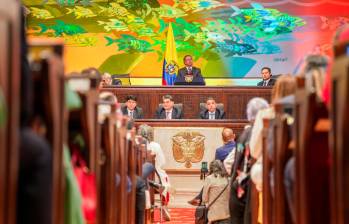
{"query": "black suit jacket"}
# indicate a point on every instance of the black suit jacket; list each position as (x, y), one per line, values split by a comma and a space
(197, 79)
(218, 114)
(270, 83)
(161, 113)
(137, 113)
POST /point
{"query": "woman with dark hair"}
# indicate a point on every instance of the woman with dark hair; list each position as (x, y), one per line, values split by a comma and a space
(216, 194)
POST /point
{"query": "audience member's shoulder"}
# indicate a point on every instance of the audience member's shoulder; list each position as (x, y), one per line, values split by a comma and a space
(154, 145)
(220, 148)
(181, 69)
(177, 108)
(160, 108)
(266, 113)
(220, 111)
(287, 100)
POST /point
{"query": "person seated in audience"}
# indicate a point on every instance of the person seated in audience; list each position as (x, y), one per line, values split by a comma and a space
(116, 82)
(284, 86)
(189, 75)
(253, 106)
(221, 153)
(216, 194)
(91, 72)
(314, 72)
(110, 100)
(228, 137)
(141, 187)
(106, 80)
(341, 36)
(212, 112)
(168, 111)
(267, 79)
(238, 164)
(147, 132)
(131, 109)
(35, 162)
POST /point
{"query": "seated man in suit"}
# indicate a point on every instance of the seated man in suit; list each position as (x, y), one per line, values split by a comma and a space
(189, 75)
(228, 137)
(131, 108)
(212, 112)
(167, 110)
(267, 80)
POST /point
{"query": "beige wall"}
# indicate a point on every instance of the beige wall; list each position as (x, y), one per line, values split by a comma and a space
(185, 184)
(163, 135)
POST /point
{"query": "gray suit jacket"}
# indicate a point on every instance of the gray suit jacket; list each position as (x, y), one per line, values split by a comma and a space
(270, 83)
(137, 113)
(161, 113)
(218, 114)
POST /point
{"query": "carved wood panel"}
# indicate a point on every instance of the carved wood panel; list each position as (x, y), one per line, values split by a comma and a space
(235, 99)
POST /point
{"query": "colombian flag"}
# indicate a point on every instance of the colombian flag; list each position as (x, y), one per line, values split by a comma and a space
(170, 65)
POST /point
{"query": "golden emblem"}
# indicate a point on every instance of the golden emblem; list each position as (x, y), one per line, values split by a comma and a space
(188, 147)
(188, 78)
(171, 67)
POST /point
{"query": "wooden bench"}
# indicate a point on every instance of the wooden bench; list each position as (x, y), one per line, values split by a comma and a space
(49, 99)
(107, 190)
(339, 136)
(85, 118)
(311, 129)
(280, 157)
(10, 74)
(131, 172)
(267, 165)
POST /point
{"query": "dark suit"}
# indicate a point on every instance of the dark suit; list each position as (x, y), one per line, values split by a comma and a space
(137, 112)
(271, 82)
(161, 113)
(34, 201)
(197, 77)
(223, 151)
(218, 114)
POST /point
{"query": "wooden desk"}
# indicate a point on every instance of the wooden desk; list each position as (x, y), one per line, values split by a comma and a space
(234, 98)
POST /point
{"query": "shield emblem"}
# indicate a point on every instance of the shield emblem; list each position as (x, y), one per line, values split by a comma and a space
(188, 147)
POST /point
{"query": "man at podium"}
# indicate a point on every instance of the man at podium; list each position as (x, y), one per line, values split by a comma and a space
(189, 75)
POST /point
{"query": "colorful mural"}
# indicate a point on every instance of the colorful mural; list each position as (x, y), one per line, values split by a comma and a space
(228, 39)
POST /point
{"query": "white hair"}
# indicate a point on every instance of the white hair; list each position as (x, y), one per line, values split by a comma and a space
(254, 105)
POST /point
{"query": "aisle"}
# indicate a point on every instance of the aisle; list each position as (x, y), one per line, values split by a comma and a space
(178, 215)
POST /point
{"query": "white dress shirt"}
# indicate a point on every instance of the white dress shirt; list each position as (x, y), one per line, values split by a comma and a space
(168, 114)
(211, 115)
(130, 113)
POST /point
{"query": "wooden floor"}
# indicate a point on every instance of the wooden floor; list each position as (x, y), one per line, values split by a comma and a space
(178, 215)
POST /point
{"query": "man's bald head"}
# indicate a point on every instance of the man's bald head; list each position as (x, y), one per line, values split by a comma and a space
(228, 135)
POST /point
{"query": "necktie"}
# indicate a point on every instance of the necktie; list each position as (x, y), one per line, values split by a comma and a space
(168, 115)
(131, 114)
(211, 116)
(189, 70)
(265, 83)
